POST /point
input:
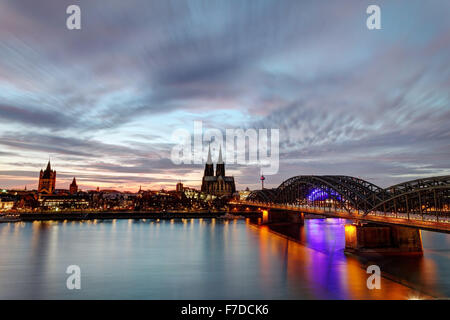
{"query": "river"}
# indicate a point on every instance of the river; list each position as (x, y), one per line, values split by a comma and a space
(206, 259)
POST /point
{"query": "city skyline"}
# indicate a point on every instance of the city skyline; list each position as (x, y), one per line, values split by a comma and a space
(102, 102)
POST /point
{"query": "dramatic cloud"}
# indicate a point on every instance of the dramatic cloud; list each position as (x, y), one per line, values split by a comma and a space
(103, 101)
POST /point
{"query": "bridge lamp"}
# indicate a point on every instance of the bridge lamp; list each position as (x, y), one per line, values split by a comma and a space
(265, 216)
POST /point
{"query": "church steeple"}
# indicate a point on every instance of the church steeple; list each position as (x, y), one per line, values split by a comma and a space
(47, 180)
(220, 167)
(220, 161)
(209, 161)
(73, 187)
(209, 167)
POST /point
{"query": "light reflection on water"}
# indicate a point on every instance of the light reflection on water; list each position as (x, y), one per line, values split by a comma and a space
(203, 259)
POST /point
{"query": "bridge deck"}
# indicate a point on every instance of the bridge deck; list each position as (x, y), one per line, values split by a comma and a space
(425, 222)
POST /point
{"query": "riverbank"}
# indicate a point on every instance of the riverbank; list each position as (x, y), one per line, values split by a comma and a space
(165, 215)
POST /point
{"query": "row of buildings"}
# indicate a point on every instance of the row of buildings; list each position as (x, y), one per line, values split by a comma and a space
(216, 188)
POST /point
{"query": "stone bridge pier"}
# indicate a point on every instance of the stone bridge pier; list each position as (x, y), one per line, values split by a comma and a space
(382, 239)
(282, 216)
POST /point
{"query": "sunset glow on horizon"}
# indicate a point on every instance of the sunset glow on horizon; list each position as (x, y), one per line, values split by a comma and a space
(103, 102)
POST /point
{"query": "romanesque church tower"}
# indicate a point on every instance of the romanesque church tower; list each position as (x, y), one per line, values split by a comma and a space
(47, 180)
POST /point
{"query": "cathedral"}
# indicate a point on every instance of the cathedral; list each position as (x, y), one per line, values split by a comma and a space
(47, 180)
(218, 184)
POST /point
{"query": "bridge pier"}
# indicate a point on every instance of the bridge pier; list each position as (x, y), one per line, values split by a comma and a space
(242, 210)
(373, 238)
(282, 216)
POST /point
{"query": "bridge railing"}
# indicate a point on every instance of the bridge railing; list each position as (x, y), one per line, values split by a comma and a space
(338, 211)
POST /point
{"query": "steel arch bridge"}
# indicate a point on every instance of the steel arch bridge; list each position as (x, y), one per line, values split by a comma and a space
(421, 196)
(264, 195)
(416, 199)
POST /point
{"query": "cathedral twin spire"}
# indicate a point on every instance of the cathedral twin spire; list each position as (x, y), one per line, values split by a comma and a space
(209, 167)
(217, 184)
(220, 167)
(209, 161)
(220, 161)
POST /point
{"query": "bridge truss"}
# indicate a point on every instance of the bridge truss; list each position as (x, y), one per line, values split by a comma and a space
(416, 198)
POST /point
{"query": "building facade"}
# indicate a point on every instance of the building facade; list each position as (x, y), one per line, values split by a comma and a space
(47, 180)
(217, 184)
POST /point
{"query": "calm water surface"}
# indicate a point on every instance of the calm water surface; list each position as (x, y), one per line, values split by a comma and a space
(205, 259)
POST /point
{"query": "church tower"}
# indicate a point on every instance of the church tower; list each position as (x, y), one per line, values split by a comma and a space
(47, 180)
(220, 167)
(73, 187)
(209, 167)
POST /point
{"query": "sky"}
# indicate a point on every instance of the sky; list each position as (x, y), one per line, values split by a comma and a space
(103, 102)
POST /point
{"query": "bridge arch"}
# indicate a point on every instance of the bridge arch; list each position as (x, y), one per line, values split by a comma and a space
(427, 195)
(349, 192)
(264, 195)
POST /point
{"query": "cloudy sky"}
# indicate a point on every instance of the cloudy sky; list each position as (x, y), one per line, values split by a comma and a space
(102, 102)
